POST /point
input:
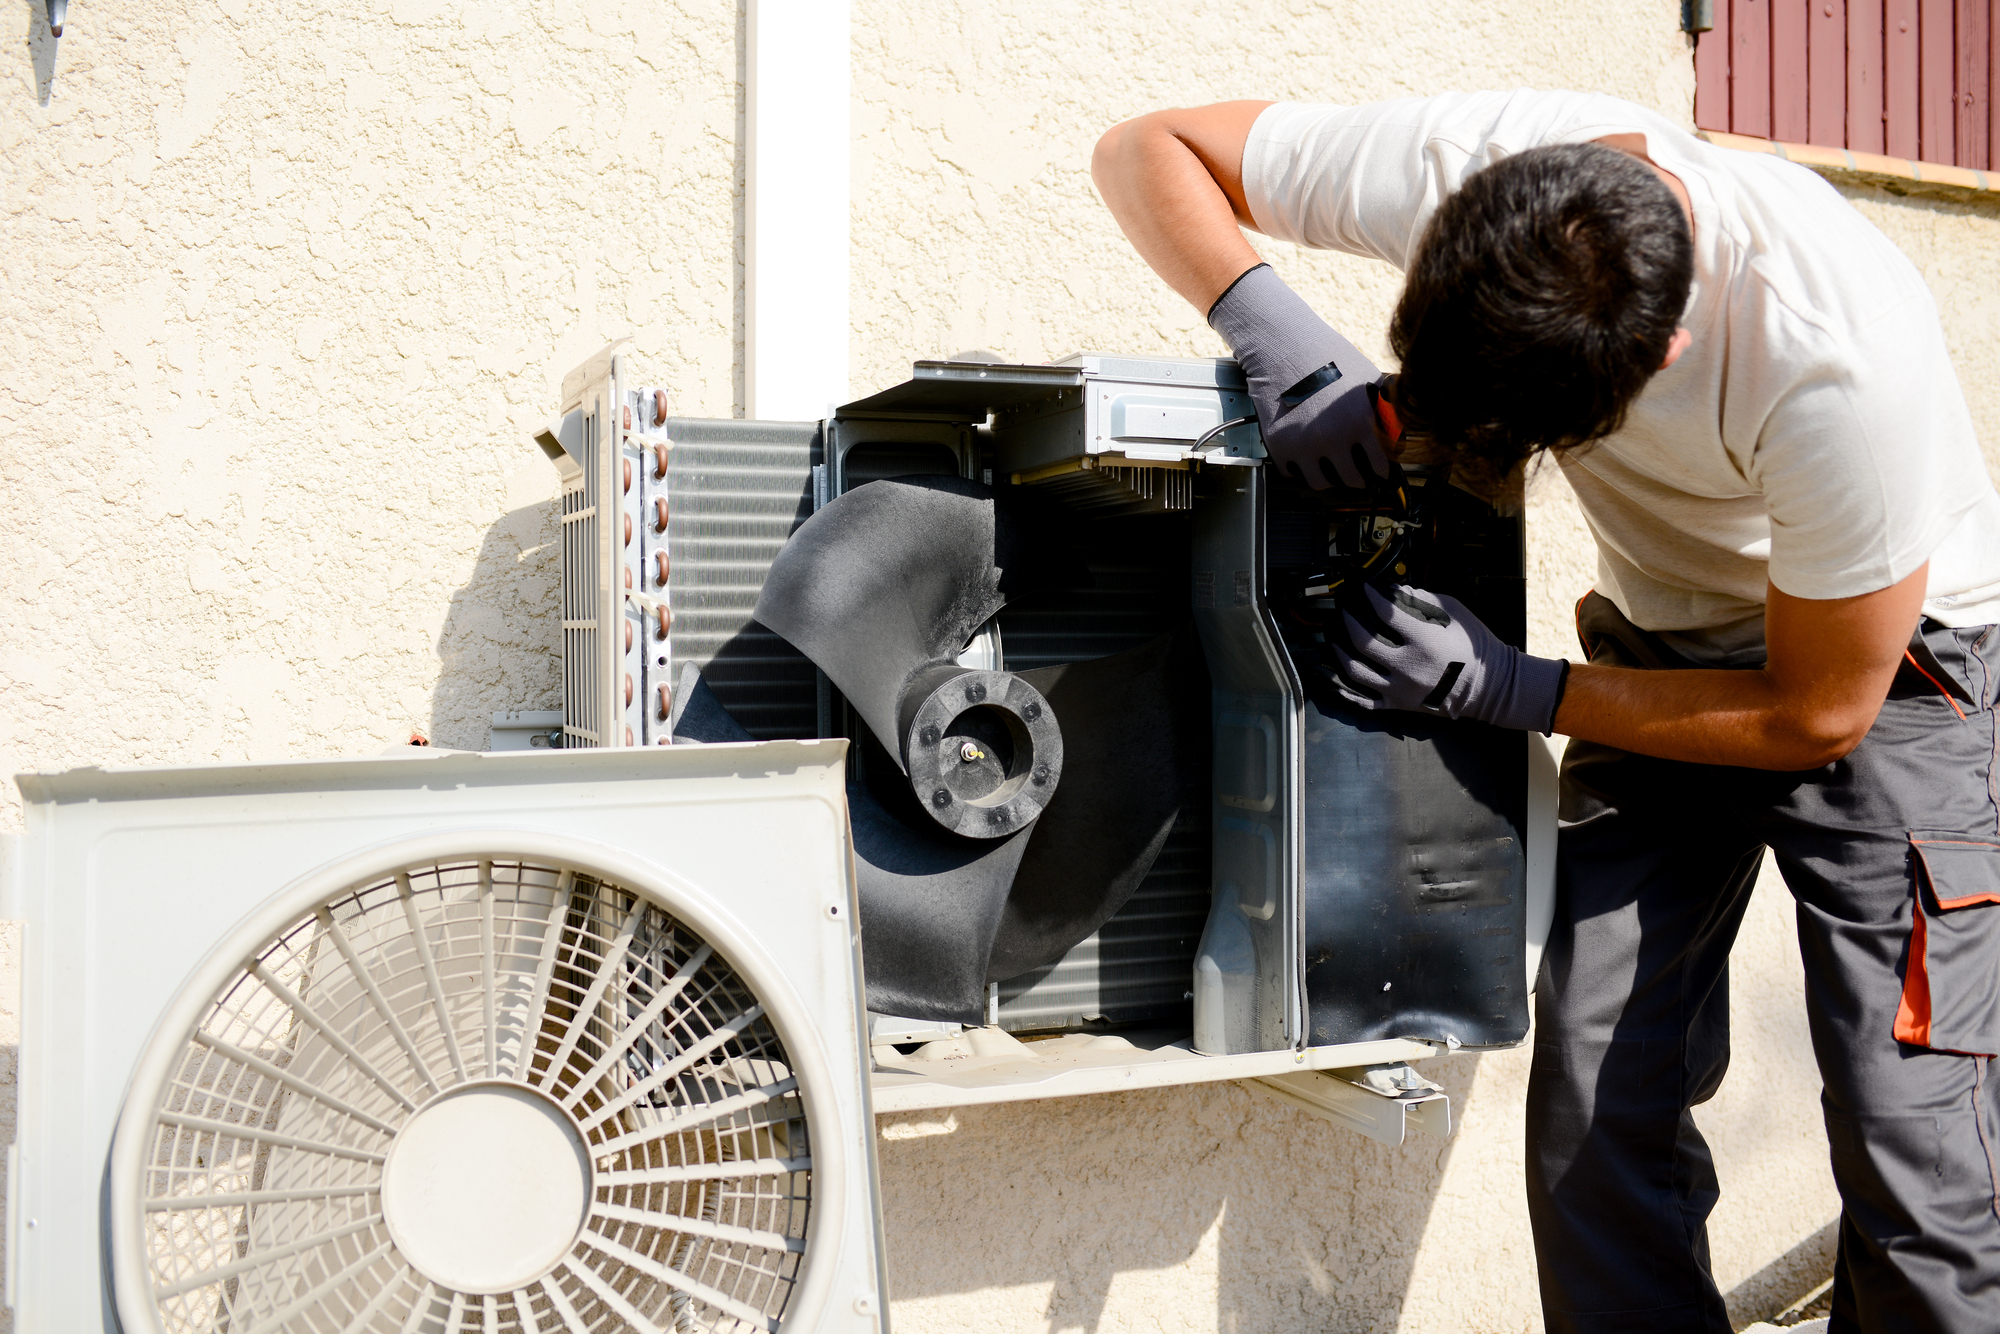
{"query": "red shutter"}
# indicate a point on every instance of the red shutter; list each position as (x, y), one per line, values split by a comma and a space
(1789, 69)
(1750, 67)
(1711, 73)
(1911, 78)
(1974, 86)
(1864, 76)
(1937, 118)
(1826, 72)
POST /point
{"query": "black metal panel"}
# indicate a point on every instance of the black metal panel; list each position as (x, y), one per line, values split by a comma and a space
(874, 461)
(1130, 587)
(1413, 901)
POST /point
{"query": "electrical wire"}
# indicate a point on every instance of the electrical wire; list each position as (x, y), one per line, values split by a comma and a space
(1214, 431)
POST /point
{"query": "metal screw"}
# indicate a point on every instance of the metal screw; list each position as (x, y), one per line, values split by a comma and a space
(969, 752)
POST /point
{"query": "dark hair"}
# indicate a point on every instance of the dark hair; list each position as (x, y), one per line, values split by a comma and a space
(1542, 297)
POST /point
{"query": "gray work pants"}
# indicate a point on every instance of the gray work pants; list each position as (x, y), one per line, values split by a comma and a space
(1893, 857)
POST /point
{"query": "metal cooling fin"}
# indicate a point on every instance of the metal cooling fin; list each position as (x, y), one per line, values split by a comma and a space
(1125, 728)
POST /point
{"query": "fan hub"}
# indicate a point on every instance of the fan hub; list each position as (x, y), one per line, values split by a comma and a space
(983, 749)
(487, 1186)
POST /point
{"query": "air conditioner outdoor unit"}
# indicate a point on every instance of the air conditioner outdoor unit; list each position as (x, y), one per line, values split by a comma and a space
(540, 1042)
(1327, 889)
(573, 1039)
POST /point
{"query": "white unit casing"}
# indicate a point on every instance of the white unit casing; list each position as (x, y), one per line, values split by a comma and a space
(548, 1041)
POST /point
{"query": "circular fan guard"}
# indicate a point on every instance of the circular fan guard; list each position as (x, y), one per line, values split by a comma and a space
(528, 981)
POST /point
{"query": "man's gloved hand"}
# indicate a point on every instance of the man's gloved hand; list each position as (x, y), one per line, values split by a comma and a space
(1310, 385)
(1428, 654)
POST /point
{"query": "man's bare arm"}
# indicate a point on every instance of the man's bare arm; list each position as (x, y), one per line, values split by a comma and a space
(1829, 670)
(1174, 181)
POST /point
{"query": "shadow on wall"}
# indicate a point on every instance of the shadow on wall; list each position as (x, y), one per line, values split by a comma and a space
(43, 46)
(501, 645)
(1783, 1282)
(1304, 1225)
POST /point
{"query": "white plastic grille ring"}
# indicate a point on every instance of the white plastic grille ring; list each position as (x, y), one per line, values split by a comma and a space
(649, 1164)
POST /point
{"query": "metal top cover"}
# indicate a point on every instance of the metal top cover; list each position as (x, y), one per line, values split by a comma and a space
(1195, 372)
(969, 390)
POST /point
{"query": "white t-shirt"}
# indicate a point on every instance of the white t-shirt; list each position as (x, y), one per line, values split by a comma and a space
(1814, 434)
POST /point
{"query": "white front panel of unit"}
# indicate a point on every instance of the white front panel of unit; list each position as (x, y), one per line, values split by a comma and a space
(131, 896)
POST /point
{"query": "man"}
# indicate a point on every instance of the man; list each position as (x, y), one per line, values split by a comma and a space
(1791, 643)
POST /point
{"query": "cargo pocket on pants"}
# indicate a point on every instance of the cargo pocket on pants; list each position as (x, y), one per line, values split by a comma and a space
(1951, 984)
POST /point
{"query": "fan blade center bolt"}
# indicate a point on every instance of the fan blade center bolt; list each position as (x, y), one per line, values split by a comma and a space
(968, 752)
(940, 798)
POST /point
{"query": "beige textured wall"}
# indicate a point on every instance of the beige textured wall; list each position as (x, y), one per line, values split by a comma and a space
(285, 284)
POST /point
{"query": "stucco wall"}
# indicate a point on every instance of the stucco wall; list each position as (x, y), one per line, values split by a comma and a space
(286, 284)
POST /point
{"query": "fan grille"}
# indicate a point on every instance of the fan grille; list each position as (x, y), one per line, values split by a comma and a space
(263, 1189)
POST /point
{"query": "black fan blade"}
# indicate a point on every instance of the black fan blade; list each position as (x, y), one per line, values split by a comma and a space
(930, 906)
(699, 716)
(888, 582)
(930, 901)
(1128, 738)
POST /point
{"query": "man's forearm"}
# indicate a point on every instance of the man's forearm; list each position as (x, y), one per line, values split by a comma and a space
(1172, 184)
(1831, 662)
(1741, 718)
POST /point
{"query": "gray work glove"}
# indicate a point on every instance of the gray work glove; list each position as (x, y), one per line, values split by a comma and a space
(1309, 385)
(1428, 654)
